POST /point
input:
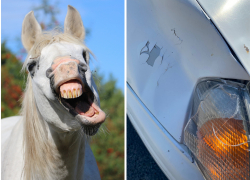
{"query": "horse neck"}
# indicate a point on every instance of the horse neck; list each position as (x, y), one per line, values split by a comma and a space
(59, 156)
(49, 154)
(71, 148)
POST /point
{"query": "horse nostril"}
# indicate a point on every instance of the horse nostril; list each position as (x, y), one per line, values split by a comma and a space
(83, 67)
(48, 72)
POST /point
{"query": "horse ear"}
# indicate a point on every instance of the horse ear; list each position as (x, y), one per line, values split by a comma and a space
(30, 30)
(73, 23)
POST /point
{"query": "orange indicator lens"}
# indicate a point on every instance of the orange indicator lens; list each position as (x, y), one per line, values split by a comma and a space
(222, 149)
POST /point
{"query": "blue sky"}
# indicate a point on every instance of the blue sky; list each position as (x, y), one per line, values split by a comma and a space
(104, 19)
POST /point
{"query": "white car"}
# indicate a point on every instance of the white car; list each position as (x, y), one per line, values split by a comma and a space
(188, 66)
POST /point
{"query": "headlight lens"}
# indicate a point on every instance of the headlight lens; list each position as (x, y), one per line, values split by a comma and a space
(218, 132)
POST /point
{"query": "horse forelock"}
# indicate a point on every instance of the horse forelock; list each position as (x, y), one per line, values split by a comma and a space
(46, 38)
(41, 157)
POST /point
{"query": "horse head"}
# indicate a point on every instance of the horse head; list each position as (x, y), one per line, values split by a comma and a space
(62, 85)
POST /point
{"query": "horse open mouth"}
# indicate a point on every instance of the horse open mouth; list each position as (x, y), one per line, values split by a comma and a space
(73, 95)
(79, 100)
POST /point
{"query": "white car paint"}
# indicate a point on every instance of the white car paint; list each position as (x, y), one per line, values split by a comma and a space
(160, 85)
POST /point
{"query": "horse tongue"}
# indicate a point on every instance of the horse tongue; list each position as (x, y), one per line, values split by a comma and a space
(85, 109)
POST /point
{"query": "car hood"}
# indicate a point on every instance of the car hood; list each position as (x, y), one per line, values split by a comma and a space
(232, 19)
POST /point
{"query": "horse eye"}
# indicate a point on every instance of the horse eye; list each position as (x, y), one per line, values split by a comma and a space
(31, 66)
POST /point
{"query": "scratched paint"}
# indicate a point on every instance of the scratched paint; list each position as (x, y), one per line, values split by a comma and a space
(153, 54)
(177, 35)
(165, 70)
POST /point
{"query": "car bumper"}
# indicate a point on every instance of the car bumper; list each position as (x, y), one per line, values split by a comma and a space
(172, 157)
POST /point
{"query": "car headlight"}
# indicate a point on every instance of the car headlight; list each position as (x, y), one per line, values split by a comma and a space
(217, 133)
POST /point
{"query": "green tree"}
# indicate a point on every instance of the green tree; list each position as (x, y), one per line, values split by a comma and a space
(108, 145)
(12, 82)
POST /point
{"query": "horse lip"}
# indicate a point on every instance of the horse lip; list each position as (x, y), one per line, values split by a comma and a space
(91, 121)
(57, 87)
(96, 119)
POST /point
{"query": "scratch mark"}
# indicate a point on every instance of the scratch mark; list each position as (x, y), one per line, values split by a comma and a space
(162, 57)
(177, 36)
(146, 46)
(168, 67)
(246, 48)
(153, 54)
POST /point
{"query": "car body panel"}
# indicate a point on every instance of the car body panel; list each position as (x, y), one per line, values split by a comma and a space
(171, 45)
(232, 18)
(171, 156)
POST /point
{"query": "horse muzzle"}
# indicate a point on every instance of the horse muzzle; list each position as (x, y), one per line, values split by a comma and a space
(73, 92)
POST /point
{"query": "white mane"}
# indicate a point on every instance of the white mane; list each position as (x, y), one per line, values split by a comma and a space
(41, 158)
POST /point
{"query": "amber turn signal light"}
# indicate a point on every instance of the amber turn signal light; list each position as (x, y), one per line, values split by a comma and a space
(217, 134)
(223, 149)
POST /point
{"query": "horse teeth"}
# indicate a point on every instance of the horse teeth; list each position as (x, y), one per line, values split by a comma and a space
(65, 94)
(79, 92)
(69, 91)
(74, 93)
(69, 94)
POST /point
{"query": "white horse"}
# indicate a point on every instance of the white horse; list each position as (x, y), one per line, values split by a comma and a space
(60, 107)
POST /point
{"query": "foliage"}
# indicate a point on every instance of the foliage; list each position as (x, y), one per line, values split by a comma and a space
(48, 13)
(12, 83)
(108, 145)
